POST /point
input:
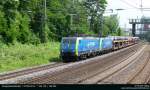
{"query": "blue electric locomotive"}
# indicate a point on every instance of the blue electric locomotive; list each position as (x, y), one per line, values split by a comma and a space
(76, 48)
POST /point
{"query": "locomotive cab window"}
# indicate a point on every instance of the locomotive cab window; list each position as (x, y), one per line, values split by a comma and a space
(68, 44)
(65, 41)
(69, 41)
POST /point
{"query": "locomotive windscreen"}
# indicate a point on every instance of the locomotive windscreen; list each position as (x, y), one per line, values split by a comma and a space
(68, 45)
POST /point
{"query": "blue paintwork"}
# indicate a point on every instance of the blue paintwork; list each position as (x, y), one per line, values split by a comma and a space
(85, 45)
(68, 45)
(107, 44)
(88, 45)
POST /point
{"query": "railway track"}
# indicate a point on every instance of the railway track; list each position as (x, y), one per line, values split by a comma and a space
(139, 78)
(136, 72)
(82, 81)
(99, 78)
(28, 71)
(148, 80)
(79, 74)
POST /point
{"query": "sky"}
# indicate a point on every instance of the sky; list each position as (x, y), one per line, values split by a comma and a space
(131, 10)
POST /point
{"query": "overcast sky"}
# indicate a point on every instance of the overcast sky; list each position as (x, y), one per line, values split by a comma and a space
(131, 9)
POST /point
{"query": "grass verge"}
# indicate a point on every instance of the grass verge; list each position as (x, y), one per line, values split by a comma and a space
(18, 56)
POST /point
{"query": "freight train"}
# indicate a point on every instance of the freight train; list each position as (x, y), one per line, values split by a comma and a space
(80, 48)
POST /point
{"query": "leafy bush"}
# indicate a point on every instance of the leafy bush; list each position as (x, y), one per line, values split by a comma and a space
(23, 55)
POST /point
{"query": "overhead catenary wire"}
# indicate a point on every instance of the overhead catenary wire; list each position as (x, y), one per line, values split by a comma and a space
(127, 3)
(140, 7)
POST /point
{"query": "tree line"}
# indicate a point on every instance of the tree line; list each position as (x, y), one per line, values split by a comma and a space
(41, 21)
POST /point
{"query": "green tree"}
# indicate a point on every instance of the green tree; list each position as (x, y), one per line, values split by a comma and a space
(3, 26)
(112, 23)
(25, 21)
(12, 15)
(95, 10)
(24, 33)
